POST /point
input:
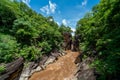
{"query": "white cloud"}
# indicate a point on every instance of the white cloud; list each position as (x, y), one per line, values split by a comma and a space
(45, 9)
(84, 3)
(50, 8)
(26, 2)
(73, 29)
(65, 22)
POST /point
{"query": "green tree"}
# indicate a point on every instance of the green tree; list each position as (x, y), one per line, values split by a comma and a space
(100, 33)
(34, 33)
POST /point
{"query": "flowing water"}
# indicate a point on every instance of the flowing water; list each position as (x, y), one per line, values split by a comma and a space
(62, 69)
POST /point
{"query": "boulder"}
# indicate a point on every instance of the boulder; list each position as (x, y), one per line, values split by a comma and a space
(87, 74)
(43, 59)
(13, 70)
(51, 59)
(84, 72)
(55, 54)
(67, 41)
(35, 70)
(25, 74)
(28, 67)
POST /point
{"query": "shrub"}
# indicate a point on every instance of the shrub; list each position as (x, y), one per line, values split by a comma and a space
(30, 53)
(8, 48)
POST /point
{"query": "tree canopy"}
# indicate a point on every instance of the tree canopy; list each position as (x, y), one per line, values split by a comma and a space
(100, 36)
(29, 34)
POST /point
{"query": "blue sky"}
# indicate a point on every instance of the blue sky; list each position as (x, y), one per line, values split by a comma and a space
(67, 12)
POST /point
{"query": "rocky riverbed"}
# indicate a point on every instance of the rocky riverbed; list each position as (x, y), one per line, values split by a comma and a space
(56, 66)
(62, 69)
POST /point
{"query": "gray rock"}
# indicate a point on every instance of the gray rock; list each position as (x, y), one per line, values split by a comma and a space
(84, 72)
(43, 60)
(51, 59)
(62, 53)
(35, 70)
(86, 75)
(55, 54)
(25, 74)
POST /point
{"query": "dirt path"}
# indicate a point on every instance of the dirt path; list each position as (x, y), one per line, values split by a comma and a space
(63, 69)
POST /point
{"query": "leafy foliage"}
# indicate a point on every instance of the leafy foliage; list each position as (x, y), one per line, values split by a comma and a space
(100, 36)
(30, 53)
(25, 33)
(64, 29)
(8, 48)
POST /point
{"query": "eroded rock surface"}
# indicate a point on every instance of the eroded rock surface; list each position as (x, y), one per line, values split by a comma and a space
(84, 71)
(13, 70)
(33, 67)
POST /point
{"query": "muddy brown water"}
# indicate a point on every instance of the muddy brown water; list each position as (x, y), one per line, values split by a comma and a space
(62, 69)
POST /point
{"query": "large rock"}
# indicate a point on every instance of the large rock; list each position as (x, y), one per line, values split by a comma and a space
(35, 70)
(67, 40)
(51, 59)
(43, 60)
(25, 74)
(75, 43)
(13, 70)
(87, 74)
(57, 54)
(84, 72)
(28, 66)
(29, 69)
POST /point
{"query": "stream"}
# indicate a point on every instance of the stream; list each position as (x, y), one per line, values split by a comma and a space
(62, 69)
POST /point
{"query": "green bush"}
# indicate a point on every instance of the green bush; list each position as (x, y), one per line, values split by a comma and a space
(33, 34)
(8, 48)
(46, 48)
(100, 36)
(30, 53)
